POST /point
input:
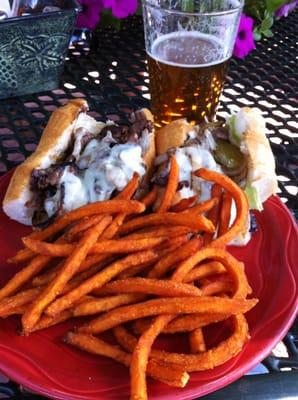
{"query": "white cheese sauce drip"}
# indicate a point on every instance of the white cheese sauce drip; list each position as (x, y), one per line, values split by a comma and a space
(189, 159)
(109, 169)
(103, 169)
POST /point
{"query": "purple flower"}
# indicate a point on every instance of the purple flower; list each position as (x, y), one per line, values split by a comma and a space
(245, 38)
(121, 8)
(90, 14)
(283, 11)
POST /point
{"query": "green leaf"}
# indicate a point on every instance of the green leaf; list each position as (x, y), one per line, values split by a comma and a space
(257, 36)
(139, 10)
(187, 5)
(267, 22)
(255, 8)
(268, 33)
(273, 5)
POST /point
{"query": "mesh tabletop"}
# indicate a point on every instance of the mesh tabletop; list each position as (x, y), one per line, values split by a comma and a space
(109, 70)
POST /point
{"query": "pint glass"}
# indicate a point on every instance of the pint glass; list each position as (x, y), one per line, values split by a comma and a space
(188, 44)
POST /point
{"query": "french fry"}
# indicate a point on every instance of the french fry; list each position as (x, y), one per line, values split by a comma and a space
(113, 206)
(196, 341)
(166, 373)
(99, 280)
(130, 188)
(162, 252)
(157, 231)
(15, 311)
(81, 277)
(102, 207)
(27, 254)
(225, 214)
(196, 362)
(215, 356)
(107, 246)
(127, 193)
(166, 262)
(47, 276)
(113, 229)
(18, 300)
(24, 275)
(240, 201)
(232, 266)
(180, 305)
(205, 206)
(171, 244)
(171, 187)
(149, 199)
(105, 207)
(139, 362)
(139, 326)
(217, 287)
(81, 226)
(185, 323)
(142, 350)
(213, 214)
(200, 223)
(46, 321)
(21, 256)
(150, 286)
(204, 270)
(184, 204)
(136, 270)
(99, 305)
(98, 260)
(126, 340)
(94, 259)
(72, 264)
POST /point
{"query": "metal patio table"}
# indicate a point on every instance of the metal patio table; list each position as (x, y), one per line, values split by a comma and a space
(109, 70)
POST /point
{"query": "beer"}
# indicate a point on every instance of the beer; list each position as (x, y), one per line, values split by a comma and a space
(187, 72)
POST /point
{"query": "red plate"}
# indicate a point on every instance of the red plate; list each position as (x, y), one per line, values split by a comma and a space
(44, 364)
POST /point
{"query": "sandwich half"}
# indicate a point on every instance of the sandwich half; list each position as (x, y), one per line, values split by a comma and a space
(237, 147)
(78, 161)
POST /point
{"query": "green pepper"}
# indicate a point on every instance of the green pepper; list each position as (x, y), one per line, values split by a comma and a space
(254, 200)
(228, 155)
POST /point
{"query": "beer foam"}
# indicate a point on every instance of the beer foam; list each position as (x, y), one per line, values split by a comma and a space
(194, 48)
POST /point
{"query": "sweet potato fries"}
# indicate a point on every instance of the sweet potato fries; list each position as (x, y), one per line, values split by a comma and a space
(139, 273)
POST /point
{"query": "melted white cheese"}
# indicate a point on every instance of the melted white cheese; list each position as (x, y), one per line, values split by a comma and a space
(74, 194)
(189, 159)
(103, 169)
(109, 169)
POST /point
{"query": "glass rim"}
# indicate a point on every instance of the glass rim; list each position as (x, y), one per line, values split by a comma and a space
(188, 13)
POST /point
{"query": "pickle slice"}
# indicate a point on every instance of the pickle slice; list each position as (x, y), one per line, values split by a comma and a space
(228, 155)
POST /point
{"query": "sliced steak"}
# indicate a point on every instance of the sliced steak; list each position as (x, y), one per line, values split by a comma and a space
(221, 132)
(43, 178)
(183, 184)
(86, 139)
(120, 134)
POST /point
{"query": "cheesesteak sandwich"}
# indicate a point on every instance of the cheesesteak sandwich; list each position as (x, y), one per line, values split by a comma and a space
(78, 161)
(238, 148)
